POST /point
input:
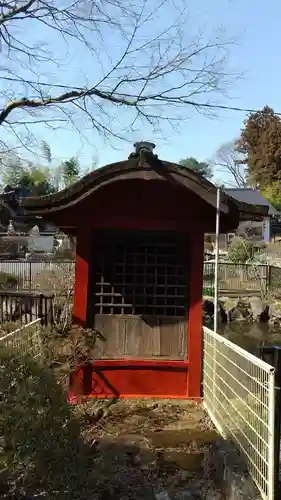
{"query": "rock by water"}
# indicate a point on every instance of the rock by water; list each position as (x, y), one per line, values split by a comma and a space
(250, 309)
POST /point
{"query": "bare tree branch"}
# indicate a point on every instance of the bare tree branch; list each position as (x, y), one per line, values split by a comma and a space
(227, 161)
(137, 56)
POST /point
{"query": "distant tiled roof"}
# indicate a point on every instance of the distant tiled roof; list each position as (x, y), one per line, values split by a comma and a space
(253, 197)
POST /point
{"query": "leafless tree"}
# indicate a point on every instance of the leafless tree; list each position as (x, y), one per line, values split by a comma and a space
(228, 162)
(79, 61)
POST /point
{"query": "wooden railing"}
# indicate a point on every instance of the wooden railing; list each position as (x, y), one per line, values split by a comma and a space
(24, 307)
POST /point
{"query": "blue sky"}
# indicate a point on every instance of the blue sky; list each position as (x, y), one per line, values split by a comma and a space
(256, 26)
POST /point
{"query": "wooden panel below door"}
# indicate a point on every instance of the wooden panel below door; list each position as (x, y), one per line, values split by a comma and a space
(141, 337)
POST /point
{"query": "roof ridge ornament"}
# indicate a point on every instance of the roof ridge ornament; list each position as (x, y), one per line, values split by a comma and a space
(143, 146)
(143, 150)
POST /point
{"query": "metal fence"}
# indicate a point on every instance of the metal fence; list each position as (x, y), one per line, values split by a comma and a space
(247, 277)
(236, 276)
(25, 341)
(239, 395)
(33, 276)
(28, 273)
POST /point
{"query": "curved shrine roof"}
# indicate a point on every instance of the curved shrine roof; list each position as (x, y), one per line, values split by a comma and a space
(146, 166)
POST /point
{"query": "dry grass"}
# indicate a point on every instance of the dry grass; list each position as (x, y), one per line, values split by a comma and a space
(8, 327)
(140, 416)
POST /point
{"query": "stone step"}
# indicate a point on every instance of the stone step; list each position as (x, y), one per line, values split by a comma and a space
(162, 439)
(171, 438)
(170, 449)
(185, 460)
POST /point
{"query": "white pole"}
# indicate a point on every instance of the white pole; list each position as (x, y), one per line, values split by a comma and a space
(217, 260)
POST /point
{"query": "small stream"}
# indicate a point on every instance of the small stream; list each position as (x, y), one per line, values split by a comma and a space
(250, 336)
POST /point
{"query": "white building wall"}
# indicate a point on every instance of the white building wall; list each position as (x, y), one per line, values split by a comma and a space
(40, 243)
(266, 229)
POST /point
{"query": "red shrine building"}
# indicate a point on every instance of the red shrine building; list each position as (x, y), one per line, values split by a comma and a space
(139, 226)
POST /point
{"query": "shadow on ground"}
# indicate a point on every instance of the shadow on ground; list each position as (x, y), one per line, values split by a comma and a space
(129, 449)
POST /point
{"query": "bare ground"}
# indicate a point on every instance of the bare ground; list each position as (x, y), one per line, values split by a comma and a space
(142, 448)
(116, 450)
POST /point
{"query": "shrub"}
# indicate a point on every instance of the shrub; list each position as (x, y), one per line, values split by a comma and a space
(7, 280)
(40, 444)
(241, 250)
(9, 326)
(64, 353)
(64, 254)
(208, 245)
(59, 280)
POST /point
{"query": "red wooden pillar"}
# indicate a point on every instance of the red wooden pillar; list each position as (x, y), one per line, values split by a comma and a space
(194, 345)
(81, 277)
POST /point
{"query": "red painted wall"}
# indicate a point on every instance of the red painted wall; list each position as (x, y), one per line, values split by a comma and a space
(195, 337)
(81, 277)
(132, 202)
(135, 378)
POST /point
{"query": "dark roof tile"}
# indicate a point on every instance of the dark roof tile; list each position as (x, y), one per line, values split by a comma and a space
(147, 166)
(253, 197)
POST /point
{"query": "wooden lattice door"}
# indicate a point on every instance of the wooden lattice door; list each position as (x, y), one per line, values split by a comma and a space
(140, 294)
